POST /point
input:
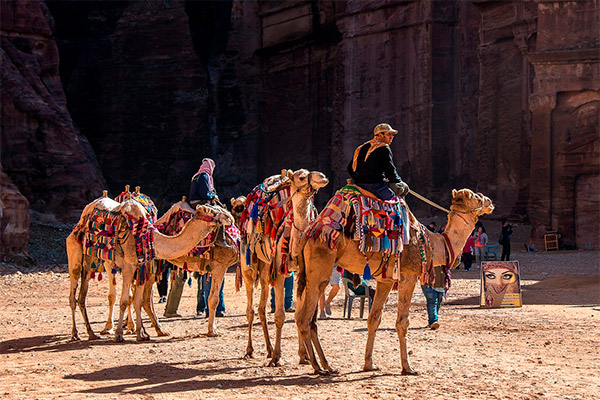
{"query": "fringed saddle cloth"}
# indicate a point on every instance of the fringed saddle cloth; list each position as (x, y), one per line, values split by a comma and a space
(98, 233)
(178, 216)
(268, 214)
(144, 200)
(378, 226)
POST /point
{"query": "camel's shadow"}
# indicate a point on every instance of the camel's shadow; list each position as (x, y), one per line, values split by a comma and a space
(173, 378)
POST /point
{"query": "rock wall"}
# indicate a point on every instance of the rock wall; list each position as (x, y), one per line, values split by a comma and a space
(500, 97)
(14, 219)
(565, 107)
(42, 152)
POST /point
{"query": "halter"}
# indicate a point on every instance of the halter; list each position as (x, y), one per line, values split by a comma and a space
(311, 190)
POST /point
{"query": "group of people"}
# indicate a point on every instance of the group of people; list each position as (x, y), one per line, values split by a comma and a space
(371, 168)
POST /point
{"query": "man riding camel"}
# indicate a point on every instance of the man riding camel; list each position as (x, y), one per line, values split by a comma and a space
(372, 167)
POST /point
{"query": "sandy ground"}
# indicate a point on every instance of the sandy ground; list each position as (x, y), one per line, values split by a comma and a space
(548, 349)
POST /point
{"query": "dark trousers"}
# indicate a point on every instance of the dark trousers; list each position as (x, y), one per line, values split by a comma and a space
(163, 284)
(204, 284)
(467, 259)
(505, 252)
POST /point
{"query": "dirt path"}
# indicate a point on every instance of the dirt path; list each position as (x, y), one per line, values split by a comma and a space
(547, 349)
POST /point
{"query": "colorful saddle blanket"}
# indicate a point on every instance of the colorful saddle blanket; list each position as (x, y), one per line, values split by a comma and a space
(379, 226)
(177, 221)
(99, 236)
(144, 200)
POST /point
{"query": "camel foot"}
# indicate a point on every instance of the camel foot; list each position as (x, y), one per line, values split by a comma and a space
(119, 338)
(370, 367)
(248, 355)
(130, 331)
(142, 338)
(162, 333)
(107, 331)
(269, 353)
(75, 338)
(93, 336)
(409, 372)
(273, 363)
(304, 361)
(213, 334)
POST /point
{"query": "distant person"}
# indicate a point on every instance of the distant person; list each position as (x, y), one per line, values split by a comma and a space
(204, 285)
(334, 282)
(481, 242)
(358, 290)
(288, 294)
(507, 230)
(431, 226)
(467, 254)
(434, 295)
(163, 284)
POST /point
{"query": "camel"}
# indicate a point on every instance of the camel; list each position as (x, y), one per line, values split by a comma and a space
(237, 207)
(317, 260)
(302, 186)
(205, 220)
(221, 259)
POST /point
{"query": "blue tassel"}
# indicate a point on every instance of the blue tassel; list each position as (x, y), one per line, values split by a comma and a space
(114, 271)
(386, 242)
(367, 272)
(248, 263)
(190, 282)
(254, 212)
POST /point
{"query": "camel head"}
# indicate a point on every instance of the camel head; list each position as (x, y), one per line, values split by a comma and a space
(307, 183)
(237, 205)
(219, 214)
(133, 209)
(465, 200)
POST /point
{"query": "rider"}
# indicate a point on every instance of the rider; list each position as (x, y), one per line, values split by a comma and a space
(202, 189)
(372, 165)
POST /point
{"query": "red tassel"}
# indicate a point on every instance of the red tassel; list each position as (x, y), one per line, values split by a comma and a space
(93, 275)
(99, 276)
(114, 280)
(185, 268)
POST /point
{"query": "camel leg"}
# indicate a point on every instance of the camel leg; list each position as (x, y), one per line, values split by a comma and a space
(75, 261)
(381, 294)
(406, 286)
(279, 319)
(138, 299)
(85, 280)
(314, 334)
(218, 273)
(112, 296)
(262, 305)
(148, 305)
(124, 301)
(306, 314)
(249, 277)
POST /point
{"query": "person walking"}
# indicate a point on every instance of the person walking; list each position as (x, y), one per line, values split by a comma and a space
(467, 254)
(481, 242)
(288, 298)
(507, 230)
(334, 281)
(434, 295)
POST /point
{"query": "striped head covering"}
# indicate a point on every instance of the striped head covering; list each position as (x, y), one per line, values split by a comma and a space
(207, 167)
(374, 144)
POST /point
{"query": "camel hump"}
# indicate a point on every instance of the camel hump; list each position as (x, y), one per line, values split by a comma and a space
(275, 182)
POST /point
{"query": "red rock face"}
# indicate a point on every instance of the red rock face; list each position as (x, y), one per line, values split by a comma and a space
(14, 219)
(42, 152)
(500, 97)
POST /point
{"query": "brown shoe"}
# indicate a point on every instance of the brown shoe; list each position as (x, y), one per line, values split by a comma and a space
(172, 315)
(434, 326)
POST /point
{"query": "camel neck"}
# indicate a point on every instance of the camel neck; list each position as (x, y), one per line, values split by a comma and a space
(170, 247)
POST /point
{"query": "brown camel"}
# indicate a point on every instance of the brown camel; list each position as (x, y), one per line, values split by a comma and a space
(205, 220)
(221, 259)
(317, 260)
(302, 187)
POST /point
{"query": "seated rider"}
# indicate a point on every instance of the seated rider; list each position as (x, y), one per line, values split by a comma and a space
(202, 191)
(372, 167)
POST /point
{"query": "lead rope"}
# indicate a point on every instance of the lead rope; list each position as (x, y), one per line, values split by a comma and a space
(431, 203)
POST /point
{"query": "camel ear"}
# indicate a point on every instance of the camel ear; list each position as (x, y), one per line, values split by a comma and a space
(284, 173)
(232, 201)
(454, 192)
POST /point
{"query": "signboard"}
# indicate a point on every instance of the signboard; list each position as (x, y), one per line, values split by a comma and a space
(500, 284)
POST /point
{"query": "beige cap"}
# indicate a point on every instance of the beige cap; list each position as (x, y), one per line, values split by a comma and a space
(383, 128)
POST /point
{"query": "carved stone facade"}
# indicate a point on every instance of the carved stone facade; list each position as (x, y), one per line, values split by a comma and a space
(565, 133)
